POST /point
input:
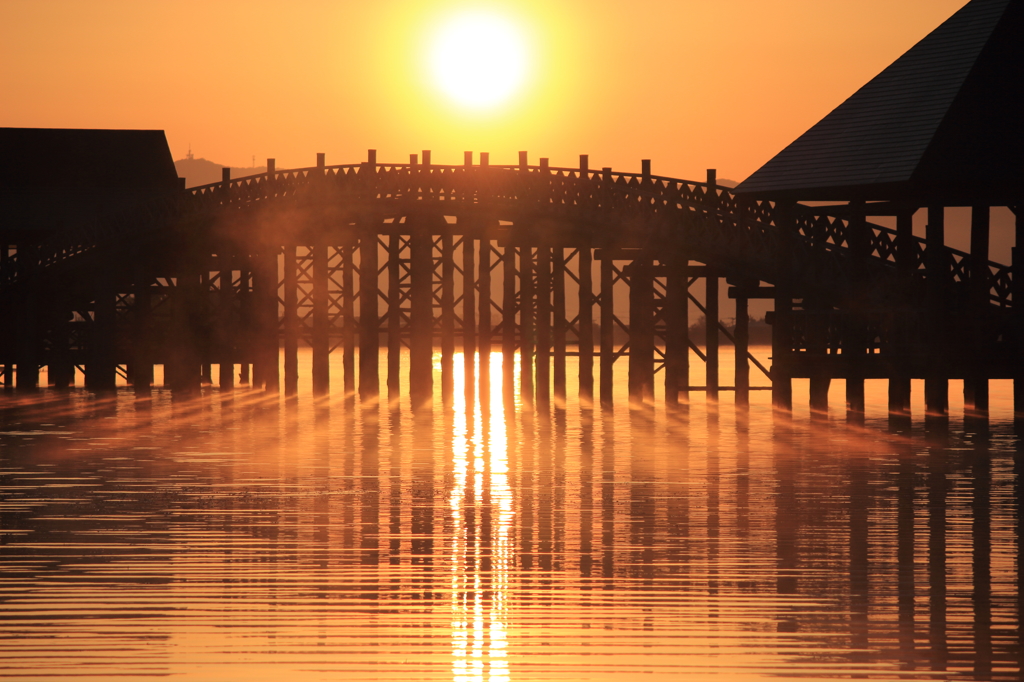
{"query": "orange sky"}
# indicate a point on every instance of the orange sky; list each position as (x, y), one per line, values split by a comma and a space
(690, 85)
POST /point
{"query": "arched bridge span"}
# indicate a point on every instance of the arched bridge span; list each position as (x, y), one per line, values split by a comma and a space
(208, 260)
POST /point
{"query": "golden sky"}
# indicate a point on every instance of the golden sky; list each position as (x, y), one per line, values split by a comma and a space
(691, 85)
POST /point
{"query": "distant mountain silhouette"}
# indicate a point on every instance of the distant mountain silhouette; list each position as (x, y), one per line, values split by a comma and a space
(203, 172)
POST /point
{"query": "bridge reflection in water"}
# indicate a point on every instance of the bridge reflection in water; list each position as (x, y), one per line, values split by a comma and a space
(239, 534)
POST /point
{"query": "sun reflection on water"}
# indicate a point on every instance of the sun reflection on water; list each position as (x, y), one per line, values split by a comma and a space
(482, 548)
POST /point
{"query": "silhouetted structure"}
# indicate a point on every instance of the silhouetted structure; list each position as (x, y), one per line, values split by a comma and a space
(225, 272)
(939, 127)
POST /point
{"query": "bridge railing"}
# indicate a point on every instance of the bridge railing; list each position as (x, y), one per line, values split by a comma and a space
(611, 193)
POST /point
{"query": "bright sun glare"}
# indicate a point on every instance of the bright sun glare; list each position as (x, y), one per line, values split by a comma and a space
(479, 60)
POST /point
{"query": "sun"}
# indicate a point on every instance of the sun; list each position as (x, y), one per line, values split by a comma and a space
(478, 59)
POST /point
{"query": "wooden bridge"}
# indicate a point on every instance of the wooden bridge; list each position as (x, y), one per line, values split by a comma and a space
(371, 255)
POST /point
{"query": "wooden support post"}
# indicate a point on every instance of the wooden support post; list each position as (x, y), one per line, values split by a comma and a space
(394, 317)
(321, 333)
(607, 331)
(182, 365)
(1017, 263)
(782, 321)
(526, 322)
(369, 313)
(976, 381)
(206, 368)
(711, 333)
(27, 371)
(101, 370)
(226, 323)
(265, 289)
(900, 362)
(641, 331)
(469, 330)
(677, 333)
(484, 318)
(586, 323)
(421, 323)
(543, 327)
(245, 305)
(936, 383)
(142, 341)
(558, 327)
(348, 320)
(855, 336)
(742, 362)
(447, 318)
(508, 321)
(291, 321)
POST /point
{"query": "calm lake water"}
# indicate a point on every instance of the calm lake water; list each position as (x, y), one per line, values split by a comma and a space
(241, 537)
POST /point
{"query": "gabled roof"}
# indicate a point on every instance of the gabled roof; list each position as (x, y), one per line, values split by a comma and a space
(51, 176)
(944, 121)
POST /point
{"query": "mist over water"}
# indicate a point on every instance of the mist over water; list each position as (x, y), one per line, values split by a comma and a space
(239, 536)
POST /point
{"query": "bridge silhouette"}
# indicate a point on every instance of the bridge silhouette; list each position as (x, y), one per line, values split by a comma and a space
(374, 254)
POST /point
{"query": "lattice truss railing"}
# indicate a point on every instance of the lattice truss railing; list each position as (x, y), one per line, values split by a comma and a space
(715, 225)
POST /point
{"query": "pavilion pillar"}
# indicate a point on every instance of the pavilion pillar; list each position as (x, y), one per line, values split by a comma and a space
(226, 324)
(855, 340)
(936, 383)
(782, 345)
(900, 366)
(976, 378)
(321, 332)
(1018, 312)
(586, 326)
(101, 370)
(607, 356)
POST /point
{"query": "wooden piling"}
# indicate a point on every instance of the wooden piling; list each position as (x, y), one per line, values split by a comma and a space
(607, 356)
(509, 307)
(206, 371)
(900, 362)
(394, 317)
(543, 327)
(558, 327)
(421, 323)
(712, 364)
(484, 318)
(469, 330)
(677, 332)
(291, 321)
(586, 322)
(526, 324)
(641, 331)
(265, 291)
(369, 312)
(742, 362)
(447, 317)
(321, 340)
(227, 324)
(855, 342)
(348, 319)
